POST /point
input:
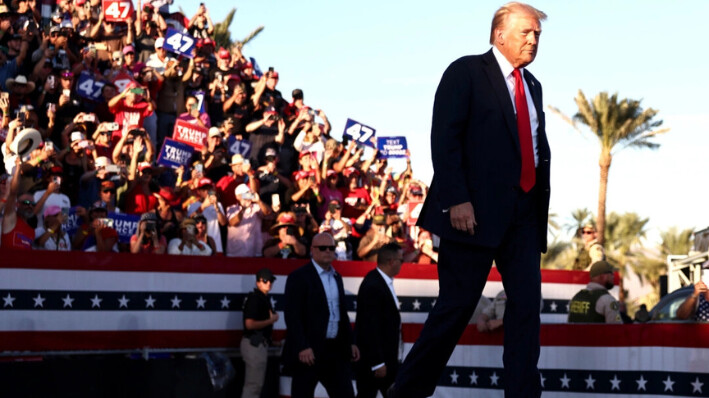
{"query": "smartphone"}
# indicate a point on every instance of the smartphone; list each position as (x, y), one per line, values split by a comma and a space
(106, 222)
(52, 107)
(112, 126)
(113, 168)
(57, 180)
(137, 90)
(194, 107)
(191, 229)
(48, 146)
(150, 226)
(705, 276)
(84, 144)
(22, 117)
(90, 118)
(270, 69)
(199, 168)
(51, 81)
(66, 93)
(275, 200)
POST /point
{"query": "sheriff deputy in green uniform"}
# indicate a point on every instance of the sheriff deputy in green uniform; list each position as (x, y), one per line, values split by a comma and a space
(594, 304)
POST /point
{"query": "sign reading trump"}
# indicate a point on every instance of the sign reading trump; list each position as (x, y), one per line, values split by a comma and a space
(175, 153)
(190, 134)
(392, 147)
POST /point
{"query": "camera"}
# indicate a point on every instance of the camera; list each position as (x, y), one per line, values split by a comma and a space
(275, 117)
(106, 222)
(113, 168)
(332, 208)
(290, 231)
(150, 226)
(248, 196)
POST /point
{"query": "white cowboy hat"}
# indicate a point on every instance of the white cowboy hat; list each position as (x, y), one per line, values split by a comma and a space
(25, 142)
(20, 79)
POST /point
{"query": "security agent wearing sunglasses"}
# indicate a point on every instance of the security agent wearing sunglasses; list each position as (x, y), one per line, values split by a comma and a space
(320, 346)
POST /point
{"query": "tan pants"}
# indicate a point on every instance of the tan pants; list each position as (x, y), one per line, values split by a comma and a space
(255, 359)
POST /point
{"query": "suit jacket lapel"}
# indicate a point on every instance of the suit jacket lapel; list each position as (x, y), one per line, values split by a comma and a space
(534, 90)
(499, 87)
(385, 288)
(319, 288)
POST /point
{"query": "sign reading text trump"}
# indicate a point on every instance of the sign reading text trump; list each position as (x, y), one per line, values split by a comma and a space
(125, 224)
(360, 133)
(392, 147)
(190, 134)
(175, 153)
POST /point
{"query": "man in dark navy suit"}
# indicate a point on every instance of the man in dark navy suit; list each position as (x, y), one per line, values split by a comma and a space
(319, 344)
(488, 202)
(378, 324)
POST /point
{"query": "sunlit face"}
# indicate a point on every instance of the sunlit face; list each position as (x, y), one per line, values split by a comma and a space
(518, 38)
(323, 249)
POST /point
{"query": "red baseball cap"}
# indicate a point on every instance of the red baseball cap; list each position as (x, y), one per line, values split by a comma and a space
(223, 53)
(204, 182)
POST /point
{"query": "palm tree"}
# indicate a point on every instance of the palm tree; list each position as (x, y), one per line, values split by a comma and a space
(615, 122)
(222, 35)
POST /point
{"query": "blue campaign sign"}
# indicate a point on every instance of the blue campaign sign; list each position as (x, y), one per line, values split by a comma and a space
(179, 42)
(238, 146)
(358, 132)
(88, 87)
(392, 147)
(257, 70)
(125, 224)
(175, 154)
(200, 100)
(71, 222)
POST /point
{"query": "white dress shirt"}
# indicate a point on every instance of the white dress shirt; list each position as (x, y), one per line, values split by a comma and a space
(507, 68)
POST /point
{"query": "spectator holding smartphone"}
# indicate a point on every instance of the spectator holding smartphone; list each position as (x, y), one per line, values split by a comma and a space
(211, 209)
(51, 236)
(286, 241)
(244, 237)
(96, 233)
(148, 239)
(187, 242)
(131, 106)
(201, 26)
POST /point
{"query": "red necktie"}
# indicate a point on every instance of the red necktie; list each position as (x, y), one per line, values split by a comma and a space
(528, 176)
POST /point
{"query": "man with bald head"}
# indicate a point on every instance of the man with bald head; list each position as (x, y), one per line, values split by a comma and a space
(319, 345)
(489, 201)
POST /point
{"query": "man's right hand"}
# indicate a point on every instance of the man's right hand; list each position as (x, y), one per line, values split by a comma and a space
(699, 288)
(307, 357)
(381, 372)
(463, 217)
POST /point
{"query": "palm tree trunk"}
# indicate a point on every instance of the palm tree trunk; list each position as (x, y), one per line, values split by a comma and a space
(605, 164)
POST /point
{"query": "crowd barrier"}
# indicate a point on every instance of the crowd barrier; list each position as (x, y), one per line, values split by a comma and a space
(88, 303)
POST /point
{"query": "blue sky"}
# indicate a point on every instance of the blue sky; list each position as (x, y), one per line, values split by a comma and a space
(380, 62)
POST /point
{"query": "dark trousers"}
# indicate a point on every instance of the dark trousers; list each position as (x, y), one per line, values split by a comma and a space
(462, 274)
(368, 385)
(331, 369)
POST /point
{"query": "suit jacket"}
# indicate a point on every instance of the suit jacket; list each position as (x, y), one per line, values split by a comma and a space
(307, 315)
(476, 152)
(378, 323)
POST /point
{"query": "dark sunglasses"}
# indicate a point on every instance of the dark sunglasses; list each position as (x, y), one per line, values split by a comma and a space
(266, 281)
(27, 203)
(324, 248)
(109, 191)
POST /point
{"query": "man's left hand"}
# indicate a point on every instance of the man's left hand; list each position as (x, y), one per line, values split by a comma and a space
(355, 353)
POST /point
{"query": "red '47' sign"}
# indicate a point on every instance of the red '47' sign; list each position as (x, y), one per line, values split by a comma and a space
(117, 10)
(189, 133)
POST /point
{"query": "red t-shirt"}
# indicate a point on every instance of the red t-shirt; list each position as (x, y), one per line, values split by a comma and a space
(20, 237)
(127, 115)
(138, 202)
(351, 198)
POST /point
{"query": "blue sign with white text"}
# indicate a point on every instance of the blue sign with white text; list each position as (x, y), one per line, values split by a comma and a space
(175, 154)
(239, 146)
(125, 224)
(88, 87)
(392, 147)
(360, 133)
(179, 42)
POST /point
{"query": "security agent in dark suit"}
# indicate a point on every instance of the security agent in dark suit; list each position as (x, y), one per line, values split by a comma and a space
(378, 324)
(319, 344)
(488, 202)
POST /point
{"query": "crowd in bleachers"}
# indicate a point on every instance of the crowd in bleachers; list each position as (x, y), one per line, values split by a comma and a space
(96, 98)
